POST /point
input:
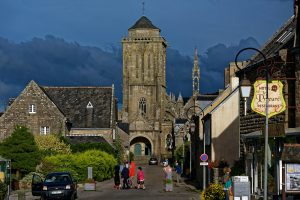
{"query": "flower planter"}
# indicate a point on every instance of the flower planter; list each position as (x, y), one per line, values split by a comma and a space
(89, 186)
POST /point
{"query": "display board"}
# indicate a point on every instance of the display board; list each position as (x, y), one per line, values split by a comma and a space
(292, 177)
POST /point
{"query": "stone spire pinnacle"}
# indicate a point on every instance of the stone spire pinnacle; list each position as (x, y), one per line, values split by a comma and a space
(196, 74)
(180, 99)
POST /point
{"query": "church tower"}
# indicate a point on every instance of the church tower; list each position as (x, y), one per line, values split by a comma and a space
(196, 74)
(144, 84)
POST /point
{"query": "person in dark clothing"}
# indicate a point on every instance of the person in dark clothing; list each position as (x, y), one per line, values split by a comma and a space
(117, 177)
(125, 176)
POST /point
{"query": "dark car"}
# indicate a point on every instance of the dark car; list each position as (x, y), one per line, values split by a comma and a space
(153, 161)
(57, 185)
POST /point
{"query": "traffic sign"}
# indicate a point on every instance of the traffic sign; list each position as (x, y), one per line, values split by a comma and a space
(204, 157)
(203, 163)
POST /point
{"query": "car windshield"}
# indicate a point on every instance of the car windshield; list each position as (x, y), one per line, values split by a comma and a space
(57, 178)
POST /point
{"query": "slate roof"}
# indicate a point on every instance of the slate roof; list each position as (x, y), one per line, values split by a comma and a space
(284, 35)
(73, 102)
(124, 126)
(86, 139)
(205, 97)
(180, 121)
(143, 23)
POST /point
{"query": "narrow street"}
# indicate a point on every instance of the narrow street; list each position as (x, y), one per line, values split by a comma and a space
(154, 189)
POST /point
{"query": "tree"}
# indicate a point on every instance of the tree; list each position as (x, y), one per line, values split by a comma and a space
(20, 147)
(119, 150)
(51, 144)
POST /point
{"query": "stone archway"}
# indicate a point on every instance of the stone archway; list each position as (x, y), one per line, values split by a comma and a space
(141, 146)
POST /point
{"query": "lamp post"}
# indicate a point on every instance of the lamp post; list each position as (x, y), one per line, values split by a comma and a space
(192, 126)
(246, 89)
(197, 111)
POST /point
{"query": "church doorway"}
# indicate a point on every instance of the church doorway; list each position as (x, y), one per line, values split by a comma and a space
(141, 146)
(138, 149)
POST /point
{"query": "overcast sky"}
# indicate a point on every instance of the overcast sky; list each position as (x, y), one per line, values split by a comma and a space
(75, 38)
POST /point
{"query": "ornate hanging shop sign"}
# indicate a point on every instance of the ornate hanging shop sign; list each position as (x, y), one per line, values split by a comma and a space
(276, 103)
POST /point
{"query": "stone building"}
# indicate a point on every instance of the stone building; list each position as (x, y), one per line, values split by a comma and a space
(75, 112)
(149, 111)
(144, 88)
(282, 55)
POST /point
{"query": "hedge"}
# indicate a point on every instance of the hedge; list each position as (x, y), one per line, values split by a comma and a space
(103, 164)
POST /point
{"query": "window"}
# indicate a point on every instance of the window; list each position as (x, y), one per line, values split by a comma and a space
(44, 130)
(32, 108)
(142, 106)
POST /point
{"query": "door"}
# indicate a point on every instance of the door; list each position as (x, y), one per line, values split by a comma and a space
(137, 149)
(36, 185)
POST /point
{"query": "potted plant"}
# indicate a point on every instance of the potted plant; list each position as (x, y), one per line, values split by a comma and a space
(90, 184)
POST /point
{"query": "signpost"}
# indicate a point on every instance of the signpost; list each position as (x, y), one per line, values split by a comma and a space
(204, 158)
(276, 103)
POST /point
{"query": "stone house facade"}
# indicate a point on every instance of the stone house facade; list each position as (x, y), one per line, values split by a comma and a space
(70, 111)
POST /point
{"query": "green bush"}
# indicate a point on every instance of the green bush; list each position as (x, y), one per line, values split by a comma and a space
(51, 144)
(213, 192)
(81, 147)
(179, 152)
(103, 164)
(3, 190)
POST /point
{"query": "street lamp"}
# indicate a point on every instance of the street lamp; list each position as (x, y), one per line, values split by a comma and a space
(192, 127)
(197, 111)
(266, 111)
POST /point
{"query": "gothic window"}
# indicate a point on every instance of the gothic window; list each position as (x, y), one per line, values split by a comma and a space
(142, 106)
(149, 66)
(169, 142)
(44, 130)
(32, 108)
(137, 66)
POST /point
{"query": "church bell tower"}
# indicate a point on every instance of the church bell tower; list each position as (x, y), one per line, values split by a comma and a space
(144, 86)
(196, 74)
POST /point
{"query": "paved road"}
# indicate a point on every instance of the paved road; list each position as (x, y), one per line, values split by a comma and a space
(154, 189)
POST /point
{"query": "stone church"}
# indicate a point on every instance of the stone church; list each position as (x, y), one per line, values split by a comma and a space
(149, 111)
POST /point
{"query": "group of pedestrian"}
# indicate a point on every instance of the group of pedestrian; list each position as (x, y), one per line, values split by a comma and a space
(127, 173)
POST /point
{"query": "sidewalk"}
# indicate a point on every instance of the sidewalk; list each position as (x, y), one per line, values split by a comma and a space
(22, 195)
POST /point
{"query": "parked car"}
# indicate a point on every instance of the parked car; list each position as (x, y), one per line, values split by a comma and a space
(57, 185)
(153, 161)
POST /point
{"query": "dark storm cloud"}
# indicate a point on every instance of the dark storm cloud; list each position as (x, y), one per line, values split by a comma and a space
(54, 62)
(212, 64)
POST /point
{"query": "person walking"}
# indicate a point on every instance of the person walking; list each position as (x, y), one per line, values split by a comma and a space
(140, 179)
(227, 183)
(178, 172)
(125, 176)
(117, 177)
(132, 173)
(168, 178)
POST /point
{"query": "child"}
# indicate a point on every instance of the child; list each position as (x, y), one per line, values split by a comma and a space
(140, 179)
